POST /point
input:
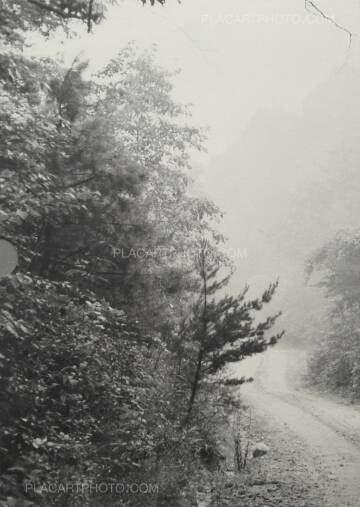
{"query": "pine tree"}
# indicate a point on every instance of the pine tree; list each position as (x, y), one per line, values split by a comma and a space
(223, 328)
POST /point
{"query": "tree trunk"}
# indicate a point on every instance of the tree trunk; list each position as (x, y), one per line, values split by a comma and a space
(195, 383)
(201, 353)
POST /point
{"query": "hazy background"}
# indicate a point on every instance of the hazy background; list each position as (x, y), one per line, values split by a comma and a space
(279, 89)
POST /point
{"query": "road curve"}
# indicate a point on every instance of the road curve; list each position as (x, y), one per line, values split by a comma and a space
(324, 431)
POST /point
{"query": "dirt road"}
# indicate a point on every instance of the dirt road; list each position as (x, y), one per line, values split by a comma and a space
(314, 440)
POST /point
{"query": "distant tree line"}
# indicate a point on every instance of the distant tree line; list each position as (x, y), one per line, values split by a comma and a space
(335, 363)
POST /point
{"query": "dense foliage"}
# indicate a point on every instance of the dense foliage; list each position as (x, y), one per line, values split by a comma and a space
(46, 15)
(111, 324)
(336, 360)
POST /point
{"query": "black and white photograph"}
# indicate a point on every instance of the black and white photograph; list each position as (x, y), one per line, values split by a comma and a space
(179, 253)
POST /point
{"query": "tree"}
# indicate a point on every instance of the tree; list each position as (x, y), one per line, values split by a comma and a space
(223, 330)
(102, 347)
(47, 15)
(167, 219)
(335, 268)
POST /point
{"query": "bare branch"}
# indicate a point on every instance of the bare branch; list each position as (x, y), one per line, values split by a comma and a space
(82, 182)
(314, 9)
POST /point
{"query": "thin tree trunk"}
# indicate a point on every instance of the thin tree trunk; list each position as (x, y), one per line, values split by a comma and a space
(201, 353)
(196, 381)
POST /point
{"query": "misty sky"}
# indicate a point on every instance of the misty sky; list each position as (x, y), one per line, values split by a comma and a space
(236, 56)
(279, 90)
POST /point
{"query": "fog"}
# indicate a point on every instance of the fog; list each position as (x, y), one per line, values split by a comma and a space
(278, 88)
(288, 184)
